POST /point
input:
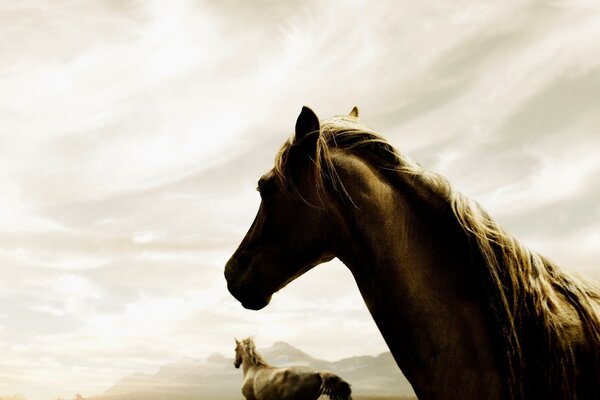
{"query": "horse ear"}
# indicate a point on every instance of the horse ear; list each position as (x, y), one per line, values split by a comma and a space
(354, 112)
(236, 341)
(307, 126)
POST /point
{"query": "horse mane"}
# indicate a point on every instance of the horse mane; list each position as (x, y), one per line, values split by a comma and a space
(253, 356)
(536, 306)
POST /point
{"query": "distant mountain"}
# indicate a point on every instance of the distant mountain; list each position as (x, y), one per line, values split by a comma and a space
(216, 378)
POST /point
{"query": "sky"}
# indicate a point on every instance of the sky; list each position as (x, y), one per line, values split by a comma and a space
(132, 134)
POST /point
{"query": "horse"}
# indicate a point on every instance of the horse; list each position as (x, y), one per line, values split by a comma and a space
(265, 382)
(467, 310)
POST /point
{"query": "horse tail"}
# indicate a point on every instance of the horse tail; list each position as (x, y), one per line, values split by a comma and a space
(334, 387)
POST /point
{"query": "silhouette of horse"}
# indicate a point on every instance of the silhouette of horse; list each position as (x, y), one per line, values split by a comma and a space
(467, 310)
(265, 382)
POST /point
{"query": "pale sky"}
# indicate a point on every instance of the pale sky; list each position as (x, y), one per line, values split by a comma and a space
(132, 134)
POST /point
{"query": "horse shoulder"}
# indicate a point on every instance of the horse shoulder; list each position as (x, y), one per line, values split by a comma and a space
(248, 386)
(264, 383)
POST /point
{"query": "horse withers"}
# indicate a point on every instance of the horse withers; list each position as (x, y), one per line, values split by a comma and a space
(265, 382)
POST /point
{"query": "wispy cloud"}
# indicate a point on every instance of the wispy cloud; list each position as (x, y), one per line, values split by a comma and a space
(132, 135)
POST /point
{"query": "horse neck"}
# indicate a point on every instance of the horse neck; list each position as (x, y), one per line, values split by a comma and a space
(411, 266)
(247, 365)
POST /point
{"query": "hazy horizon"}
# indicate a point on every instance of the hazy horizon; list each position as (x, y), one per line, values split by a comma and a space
(132, 136)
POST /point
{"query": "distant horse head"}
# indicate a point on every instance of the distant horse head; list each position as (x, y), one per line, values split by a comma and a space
(245, 352)
(292, 231)
(238, 354)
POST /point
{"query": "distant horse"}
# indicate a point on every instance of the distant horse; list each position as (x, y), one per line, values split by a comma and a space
(467, 310)
(265, 382)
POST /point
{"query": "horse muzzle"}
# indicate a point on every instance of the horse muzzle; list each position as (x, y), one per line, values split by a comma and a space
(250, 295)
(249, 299)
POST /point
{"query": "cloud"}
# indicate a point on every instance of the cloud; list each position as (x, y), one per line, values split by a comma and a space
(132, 136)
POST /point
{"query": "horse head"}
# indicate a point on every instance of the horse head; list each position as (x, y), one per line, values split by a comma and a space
(238, 354)
(293, 229)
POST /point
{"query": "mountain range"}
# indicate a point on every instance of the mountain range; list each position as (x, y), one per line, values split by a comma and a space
(215, 378)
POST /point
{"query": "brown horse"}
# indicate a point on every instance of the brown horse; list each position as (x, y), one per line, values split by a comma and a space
(265, 382)
(467, 310)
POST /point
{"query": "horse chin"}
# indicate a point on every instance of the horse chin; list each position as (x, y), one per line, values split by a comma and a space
(250, 300)
(256, 304)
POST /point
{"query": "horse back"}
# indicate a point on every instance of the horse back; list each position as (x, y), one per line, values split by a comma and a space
(289, 383)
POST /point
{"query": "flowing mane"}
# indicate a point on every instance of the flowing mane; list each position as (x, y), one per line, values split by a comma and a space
(253, 356)
(537, 308)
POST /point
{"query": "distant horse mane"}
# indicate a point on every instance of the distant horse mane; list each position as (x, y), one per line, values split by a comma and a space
(253, 356)
(533, 302)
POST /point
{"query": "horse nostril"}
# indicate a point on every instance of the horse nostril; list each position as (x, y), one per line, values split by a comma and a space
(236, 265)
(230, 271)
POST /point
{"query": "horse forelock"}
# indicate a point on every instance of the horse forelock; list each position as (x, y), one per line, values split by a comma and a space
(525, 292)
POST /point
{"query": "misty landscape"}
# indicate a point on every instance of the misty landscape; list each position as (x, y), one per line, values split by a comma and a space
(215, 378)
